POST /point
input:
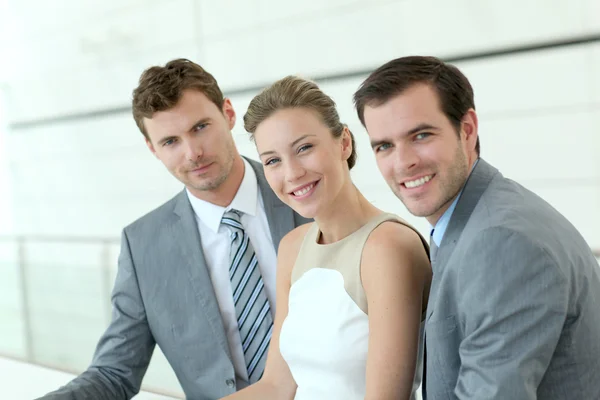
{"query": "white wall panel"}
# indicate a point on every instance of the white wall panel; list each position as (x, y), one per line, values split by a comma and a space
(234, 17)
(559, 147)
(11, 307)
(529, 82)
(70, 13)
(594, 67)
(96, 64)
(362, 35)
(106, 84)
(93, 35)
(591, 19)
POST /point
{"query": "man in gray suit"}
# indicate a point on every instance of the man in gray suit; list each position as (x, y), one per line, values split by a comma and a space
(197, 275)
(514, 307)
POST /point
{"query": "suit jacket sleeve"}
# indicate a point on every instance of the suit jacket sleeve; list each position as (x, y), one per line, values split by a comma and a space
(513, 304)
(124, 351)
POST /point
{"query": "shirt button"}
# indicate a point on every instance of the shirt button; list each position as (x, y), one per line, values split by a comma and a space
(230, 383)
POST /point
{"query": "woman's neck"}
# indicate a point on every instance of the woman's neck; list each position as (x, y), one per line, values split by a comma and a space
(347, 213)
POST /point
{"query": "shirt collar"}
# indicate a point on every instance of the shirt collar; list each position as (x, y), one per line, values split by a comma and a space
(438, 231)
(245, 201)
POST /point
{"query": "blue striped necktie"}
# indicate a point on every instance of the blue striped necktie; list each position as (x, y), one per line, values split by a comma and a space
(252, 307)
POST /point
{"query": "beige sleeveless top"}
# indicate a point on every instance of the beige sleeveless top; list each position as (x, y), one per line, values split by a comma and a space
(344, 255)
(325, 336)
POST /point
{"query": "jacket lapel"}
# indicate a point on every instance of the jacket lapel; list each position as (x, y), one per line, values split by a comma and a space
(280, 219)
(476, 184)
(188, 238)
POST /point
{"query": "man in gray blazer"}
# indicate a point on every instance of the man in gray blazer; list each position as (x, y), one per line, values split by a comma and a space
(514, 306)
(181, 265)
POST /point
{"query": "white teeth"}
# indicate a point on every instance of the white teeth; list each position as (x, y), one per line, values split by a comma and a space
(304, 191)
(418, 182)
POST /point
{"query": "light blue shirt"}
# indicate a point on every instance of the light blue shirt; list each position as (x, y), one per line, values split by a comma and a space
(438, 231)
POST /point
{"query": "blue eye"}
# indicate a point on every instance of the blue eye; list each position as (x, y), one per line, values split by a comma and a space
(271, 161)
(169, 142)
(304, 147)
(422, 135)
(200, 127)
(382, 147)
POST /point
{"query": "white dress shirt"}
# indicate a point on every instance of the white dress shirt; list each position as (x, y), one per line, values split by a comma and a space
(216, 244)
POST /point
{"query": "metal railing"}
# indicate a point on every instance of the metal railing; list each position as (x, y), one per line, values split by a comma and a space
(28, 312)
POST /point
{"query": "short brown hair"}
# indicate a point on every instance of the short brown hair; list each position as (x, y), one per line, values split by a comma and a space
(160, 88)
(393, 78)
(295, 92)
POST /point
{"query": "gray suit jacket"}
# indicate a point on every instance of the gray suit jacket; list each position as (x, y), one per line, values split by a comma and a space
(514, 309)
(163, 295)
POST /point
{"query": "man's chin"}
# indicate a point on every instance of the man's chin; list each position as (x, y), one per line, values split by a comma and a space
(418, 210)
(210, 184)
(205, 186)
(420, 213)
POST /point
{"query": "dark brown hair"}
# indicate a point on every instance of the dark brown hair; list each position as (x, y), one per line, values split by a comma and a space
(160, 88)
(393, 78)
(295, 92)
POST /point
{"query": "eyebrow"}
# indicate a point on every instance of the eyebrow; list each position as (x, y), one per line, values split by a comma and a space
(301, 138)
(421, 127)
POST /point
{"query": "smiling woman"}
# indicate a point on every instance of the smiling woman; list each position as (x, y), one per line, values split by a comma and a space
(351, 287)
